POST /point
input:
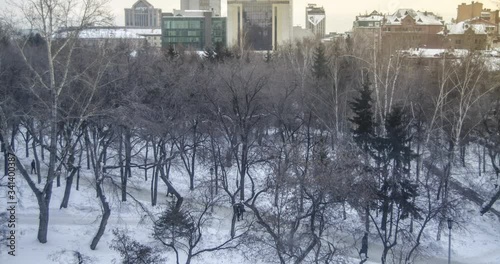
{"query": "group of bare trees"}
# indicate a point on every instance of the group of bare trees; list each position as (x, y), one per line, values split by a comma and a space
(292, 135)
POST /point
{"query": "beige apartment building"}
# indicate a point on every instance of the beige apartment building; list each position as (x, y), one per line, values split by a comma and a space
(475, 10)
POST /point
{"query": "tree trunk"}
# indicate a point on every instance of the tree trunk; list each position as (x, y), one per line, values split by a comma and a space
(244, 164)
(123, 177)
(105, 217)
(40, 137)
(43, 223)
(146, 161)
(27, 144)
(15, 129)
(88, 156)
(171, 188)
(488, 206)
(67, 190)
(128, 153)
(37, 162)
(79, 167)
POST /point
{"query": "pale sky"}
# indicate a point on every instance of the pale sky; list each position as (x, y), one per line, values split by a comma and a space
(340, 13)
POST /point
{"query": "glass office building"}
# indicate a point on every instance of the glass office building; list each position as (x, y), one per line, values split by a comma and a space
(193, 32)
(259, 24)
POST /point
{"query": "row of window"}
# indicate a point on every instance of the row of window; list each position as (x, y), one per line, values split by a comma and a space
(182, 24)
(183, 33)
(418, 29)
(182, 39)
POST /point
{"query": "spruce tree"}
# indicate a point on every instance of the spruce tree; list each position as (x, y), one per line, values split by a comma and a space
(320, 66)
(364, 133)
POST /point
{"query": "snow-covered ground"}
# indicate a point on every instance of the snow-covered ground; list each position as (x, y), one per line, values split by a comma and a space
(475, 239)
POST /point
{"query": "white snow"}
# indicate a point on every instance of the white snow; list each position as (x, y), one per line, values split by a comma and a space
(475, 239)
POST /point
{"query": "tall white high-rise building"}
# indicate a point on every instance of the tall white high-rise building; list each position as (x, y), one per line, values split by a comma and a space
(316, 20)
(212, 5)
(259, 24)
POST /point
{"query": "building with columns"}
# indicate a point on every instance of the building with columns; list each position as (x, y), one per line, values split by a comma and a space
(143, 15)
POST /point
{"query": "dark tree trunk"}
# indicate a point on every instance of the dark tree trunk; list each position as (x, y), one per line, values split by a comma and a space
(88, 156)
(171, 188)
(123, 177)
(67, 190)
(490, 203)
(43, 223)
(40, 138)
(79, 166)
(15, 129)
(146, 162)
(27, 144)
(37, 162)
(128, 153)
(244, 164)
(105, 217)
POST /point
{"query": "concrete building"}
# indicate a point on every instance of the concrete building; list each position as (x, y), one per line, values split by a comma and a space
(407, 28)
(143, 15)
(465, 35)
(259, 24)
(475, 10)
(367, 29)
(316, 20)
(301, 34)
(98, 36)
(193, 29)
(211, 5)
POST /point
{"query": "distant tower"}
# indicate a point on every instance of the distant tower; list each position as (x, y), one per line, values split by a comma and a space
(259, 24)
(316, 20)
(142, 14)
(211, 5)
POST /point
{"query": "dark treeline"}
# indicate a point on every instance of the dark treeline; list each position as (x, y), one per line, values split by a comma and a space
(304, 137)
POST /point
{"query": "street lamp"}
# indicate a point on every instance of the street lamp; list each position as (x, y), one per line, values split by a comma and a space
(450, 223)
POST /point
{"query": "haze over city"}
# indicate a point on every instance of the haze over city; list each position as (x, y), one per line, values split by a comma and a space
(249, 131)
(340, 14)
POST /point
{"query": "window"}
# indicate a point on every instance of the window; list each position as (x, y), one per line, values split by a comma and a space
(194, 24)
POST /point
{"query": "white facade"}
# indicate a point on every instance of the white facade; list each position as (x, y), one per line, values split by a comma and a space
(316, 20)
(211, 5)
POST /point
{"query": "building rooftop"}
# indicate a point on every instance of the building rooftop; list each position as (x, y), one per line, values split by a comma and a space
(115, 33)
(461, 27)
(421, 18)
(373, 16)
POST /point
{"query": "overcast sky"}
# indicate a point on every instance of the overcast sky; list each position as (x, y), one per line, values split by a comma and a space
(340, 13)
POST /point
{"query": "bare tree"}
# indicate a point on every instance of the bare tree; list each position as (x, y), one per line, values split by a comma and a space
(48, 18)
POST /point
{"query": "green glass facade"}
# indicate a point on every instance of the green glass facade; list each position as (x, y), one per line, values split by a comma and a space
(193, 32)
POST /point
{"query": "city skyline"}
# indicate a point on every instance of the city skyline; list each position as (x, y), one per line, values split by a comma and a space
(340, 15)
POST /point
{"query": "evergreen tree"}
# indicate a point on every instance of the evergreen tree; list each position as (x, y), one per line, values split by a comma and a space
(171, 53)
(394, 151)
(320, 66)
(399, 151)
(220, 52)
(364, 133)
